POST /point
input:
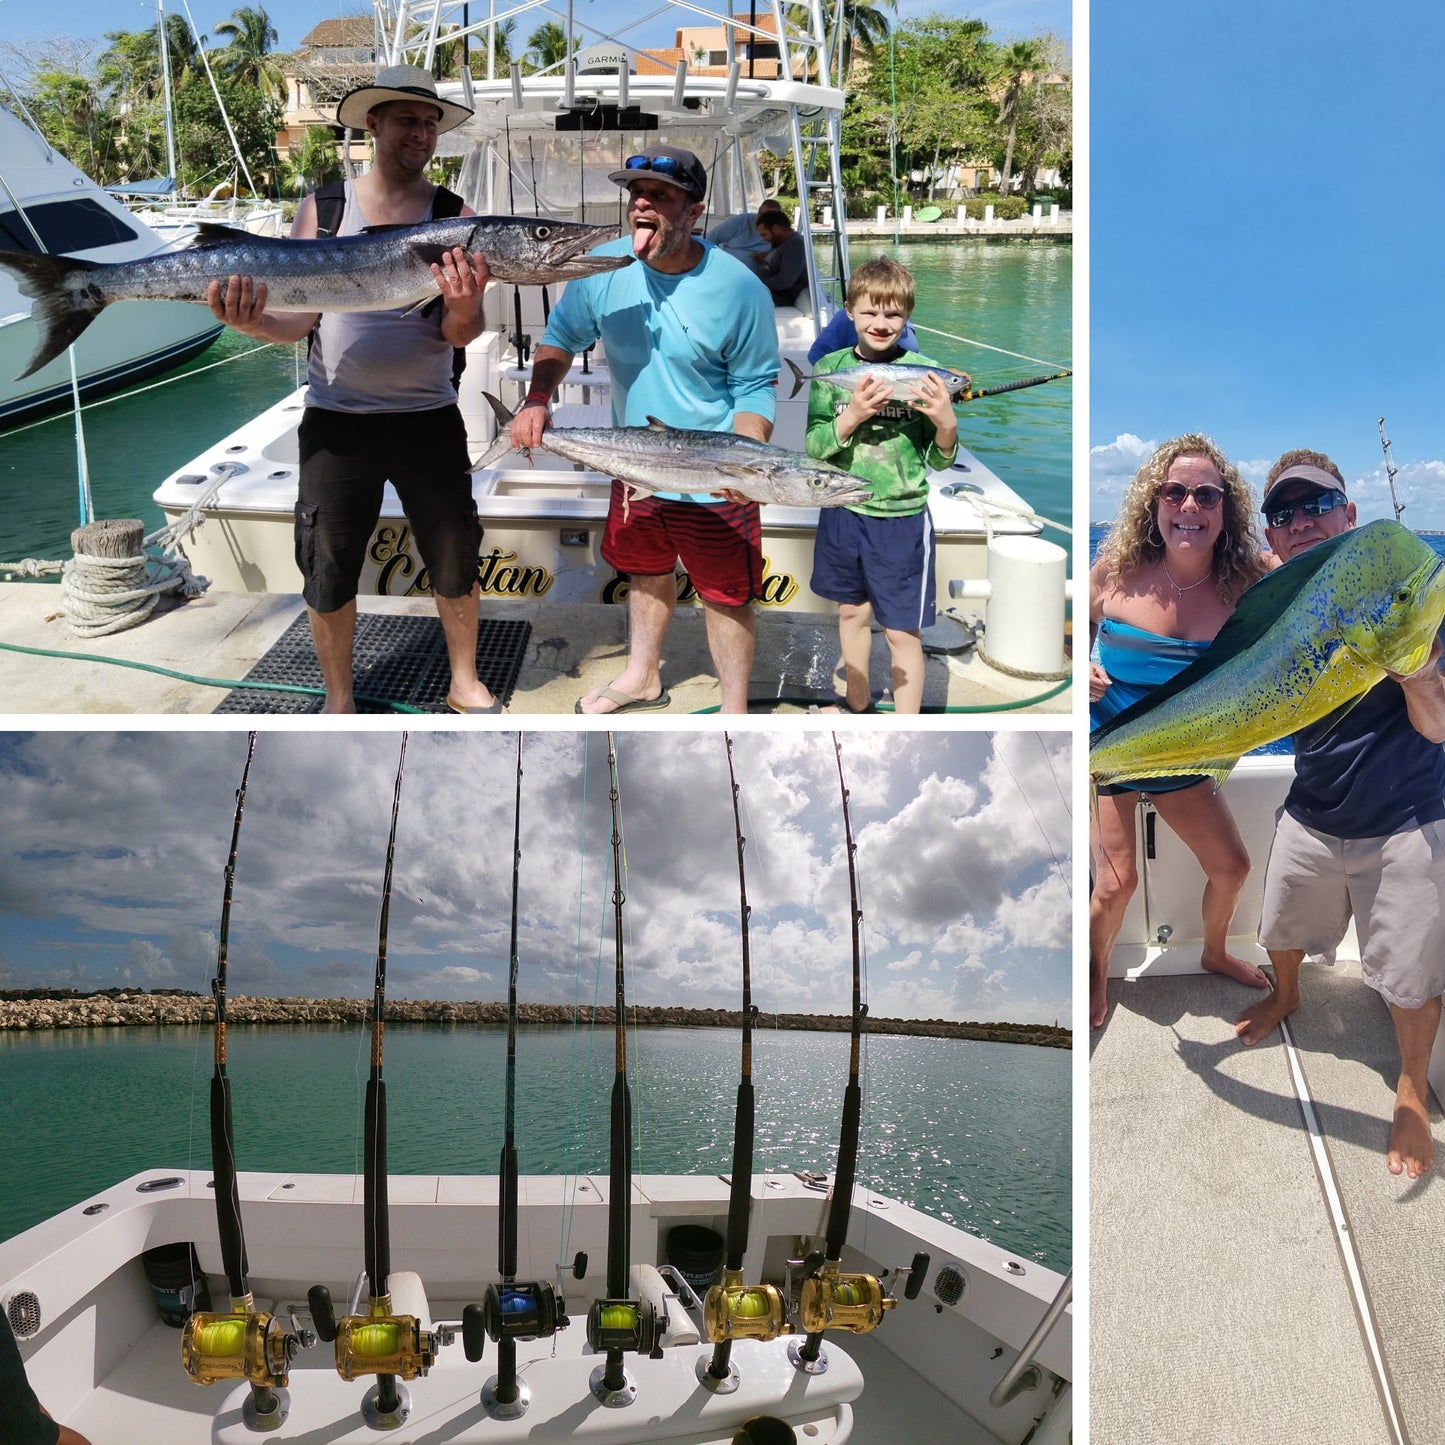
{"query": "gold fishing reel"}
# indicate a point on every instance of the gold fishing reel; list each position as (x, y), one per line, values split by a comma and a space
(381, 1343)
(735, 1311)
(831, 1300)
(246, 1344)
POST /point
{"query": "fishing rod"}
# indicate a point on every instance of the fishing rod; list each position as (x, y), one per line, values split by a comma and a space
(246, 1343)
(618, 1324)
(1391, 471)
(828, 1299)
(971, 395)
(379, 1343)
(510, 1311)
(732, 1310)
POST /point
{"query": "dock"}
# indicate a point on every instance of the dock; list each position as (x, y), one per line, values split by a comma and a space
(187, 658)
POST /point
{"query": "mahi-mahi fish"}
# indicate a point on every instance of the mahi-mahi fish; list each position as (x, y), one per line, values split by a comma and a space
(1307, 640)
(660, 458)
(378, 269)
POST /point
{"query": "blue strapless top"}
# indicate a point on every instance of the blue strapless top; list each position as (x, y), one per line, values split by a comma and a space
(1137, 662)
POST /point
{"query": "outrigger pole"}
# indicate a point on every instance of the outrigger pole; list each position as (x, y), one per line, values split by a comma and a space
(618, 1324)
(829, 1300)
(733, 1310)
(378, 1343)
(246, 1343)
(510, 1311)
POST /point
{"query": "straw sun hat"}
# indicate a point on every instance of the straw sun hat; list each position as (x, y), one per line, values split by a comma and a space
(398, 82)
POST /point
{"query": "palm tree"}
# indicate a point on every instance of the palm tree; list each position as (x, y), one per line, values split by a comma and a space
(251, 35)
(1017, 64)
(549, 44)
(865, 27)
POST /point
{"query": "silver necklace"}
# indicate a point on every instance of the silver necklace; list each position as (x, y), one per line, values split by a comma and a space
(1180, 591)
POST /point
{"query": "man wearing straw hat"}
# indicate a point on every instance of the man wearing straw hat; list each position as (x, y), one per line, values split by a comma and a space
(380, 400)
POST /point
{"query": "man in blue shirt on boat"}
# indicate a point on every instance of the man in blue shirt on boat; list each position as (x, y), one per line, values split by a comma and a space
(691, 340)
(1361, 833)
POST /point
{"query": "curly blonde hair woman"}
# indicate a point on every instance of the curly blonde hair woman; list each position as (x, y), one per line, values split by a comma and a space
(1186, 520)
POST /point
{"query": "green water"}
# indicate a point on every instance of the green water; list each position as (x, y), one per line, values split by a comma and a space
(977, 1134)
(1015, 294)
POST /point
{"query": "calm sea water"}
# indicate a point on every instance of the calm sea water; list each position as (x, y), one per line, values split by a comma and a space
(977, 1134)
(1015, 294)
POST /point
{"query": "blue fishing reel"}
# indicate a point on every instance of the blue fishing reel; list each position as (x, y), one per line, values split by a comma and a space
(511, 1312)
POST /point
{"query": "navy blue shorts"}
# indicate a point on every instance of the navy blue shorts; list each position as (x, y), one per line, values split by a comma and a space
(346, 460)
(885, 561)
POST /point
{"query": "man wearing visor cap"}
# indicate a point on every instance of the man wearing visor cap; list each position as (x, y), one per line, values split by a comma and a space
(1361, 833)
(690, 339)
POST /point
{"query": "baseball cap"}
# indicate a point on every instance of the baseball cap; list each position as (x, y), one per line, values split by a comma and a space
(1317, 477)
(677, 167)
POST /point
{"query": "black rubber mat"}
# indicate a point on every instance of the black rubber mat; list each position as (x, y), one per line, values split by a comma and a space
(395, 660)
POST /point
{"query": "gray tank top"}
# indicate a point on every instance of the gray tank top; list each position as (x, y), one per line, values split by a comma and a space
(364, 361)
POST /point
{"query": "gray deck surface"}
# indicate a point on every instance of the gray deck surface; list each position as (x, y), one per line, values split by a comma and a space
(1219, 1306)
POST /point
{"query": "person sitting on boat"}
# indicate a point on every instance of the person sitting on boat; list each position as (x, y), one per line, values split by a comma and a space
(381, 404)
(876, 559)
(23, 1419)
(1361, 833)
(783, 267)
(691, 340)
(739, 235)
(1177, 557)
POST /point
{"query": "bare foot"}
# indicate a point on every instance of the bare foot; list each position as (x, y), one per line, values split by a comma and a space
(1098, 999)
(349, 705)
(1259, 1018)
(1239, 969)
(1412, 1150)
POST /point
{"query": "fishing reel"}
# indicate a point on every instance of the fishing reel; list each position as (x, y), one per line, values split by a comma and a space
(828, 1299)
(511, 1312)
(617, 1327)
(733, 1310)
(376, 1343)
(247, 1344)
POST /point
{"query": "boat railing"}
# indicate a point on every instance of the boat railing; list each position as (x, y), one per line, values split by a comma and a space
(1014, 1378)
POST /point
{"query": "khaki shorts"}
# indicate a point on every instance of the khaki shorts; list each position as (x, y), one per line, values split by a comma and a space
(1393, 886)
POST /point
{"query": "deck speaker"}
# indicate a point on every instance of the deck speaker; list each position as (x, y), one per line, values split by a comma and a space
(948, 1284)
(22, 1309)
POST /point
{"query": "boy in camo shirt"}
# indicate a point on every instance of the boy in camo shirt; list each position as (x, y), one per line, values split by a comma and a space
(875, 559)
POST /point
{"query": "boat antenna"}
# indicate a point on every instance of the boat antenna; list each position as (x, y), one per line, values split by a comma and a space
(244, 1344)
(1390, 472)
(618, 1324)
(733, 1310)
(391, 1347)
(829, 1300)
(510, 1311)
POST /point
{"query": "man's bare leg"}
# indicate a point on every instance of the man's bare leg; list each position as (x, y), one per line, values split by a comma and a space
(731, 639)
(1412, 1150)
(1259, 1018)
(459, 619)
(650, 605)
(332, 635)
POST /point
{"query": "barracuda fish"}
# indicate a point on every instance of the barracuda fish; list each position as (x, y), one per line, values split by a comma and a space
(377, 269)
(660, 458)
(1308, 639)
(900, 377)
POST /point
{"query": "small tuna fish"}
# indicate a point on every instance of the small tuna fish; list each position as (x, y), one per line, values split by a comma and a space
(901, 377)
(378, 269)
(1309, 638)
(660, 458)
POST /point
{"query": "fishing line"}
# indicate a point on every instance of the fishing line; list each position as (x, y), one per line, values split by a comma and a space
(986, 346)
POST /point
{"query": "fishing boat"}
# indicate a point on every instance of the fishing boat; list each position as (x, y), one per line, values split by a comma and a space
(1248, 1187)
(846, 1315)
(75, 217)
(542, 144)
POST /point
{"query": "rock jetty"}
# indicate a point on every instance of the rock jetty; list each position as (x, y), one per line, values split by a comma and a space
(31, 1009)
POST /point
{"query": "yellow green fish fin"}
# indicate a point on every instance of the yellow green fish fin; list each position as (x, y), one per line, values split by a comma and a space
(1259, 609)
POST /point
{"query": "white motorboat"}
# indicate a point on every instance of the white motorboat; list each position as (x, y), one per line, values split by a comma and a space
(76, 217)
(543, 144)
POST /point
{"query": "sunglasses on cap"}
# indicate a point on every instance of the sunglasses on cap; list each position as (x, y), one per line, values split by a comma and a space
(1316, 506)
(1206, 496)
(663, 166)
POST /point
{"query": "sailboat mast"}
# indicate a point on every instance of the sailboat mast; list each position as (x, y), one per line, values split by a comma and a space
(166, 89)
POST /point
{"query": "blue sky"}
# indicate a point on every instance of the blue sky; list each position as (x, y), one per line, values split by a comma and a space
(1267, 210)
(23, 19)
(112, 855)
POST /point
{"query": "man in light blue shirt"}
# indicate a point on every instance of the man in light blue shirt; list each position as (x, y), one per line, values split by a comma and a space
(690, 339)
(739, 235)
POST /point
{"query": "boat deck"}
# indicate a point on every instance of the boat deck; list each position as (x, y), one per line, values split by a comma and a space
(1221, 1303)
(573, 648)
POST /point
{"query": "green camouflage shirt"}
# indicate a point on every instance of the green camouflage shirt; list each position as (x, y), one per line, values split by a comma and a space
(895, 450)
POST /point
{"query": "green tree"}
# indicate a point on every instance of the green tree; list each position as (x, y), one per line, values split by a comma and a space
(247, 55)
(314, 162)
(500, 37)
(201, 133)
(547, 45)
(1019, 65)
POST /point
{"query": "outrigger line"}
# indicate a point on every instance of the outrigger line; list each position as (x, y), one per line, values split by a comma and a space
(510, 1311)
(732, 1310)
(619, 1324)
(245, 1343)
(379, 1343)
(828, 1299)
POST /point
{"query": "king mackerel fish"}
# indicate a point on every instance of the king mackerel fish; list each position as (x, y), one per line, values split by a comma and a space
(379, 269)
